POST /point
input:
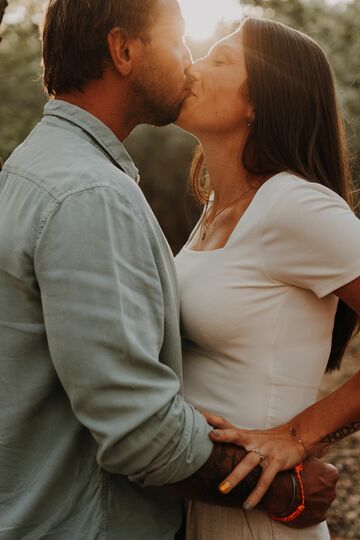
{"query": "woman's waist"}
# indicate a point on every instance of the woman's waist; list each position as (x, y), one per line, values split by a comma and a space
(250, 395)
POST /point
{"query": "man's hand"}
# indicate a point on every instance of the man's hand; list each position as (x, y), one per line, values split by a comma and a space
(280, 453)
(319, 483)
(319, 480)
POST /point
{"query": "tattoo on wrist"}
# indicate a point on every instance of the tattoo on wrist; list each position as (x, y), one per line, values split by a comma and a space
(341, 433)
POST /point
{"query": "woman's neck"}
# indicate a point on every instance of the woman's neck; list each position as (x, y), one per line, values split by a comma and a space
(229, 177)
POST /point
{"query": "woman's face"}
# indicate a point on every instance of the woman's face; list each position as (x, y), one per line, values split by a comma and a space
(219, 100)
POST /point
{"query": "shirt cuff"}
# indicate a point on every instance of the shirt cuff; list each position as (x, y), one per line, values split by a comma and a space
(192, 454)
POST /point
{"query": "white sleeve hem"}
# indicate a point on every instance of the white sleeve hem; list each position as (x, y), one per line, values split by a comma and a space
(346, 277)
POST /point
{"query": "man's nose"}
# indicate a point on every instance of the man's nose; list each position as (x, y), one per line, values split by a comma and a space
(188, 59)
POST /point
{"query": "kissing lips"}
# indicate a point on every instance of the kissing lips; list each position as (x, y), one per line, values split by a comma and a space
(189, 93)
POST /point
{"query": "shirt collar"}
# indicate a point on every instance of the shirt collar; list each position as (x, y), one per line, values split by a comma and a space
(97, 130)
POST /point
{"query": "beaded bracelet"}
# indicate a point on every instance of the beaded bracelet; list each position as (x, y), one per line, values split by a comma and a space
(301, 506)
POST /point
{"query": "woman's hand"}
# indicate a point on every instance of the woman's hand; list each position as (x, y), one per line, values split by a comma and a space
(273, 449)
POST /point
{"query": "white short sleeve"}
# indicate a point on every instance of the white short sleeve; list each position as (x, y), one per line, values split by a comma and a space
(309, 237)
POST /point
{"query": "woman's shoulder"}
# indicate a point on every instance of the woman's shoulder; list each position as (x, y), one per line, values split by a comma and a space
(308, 235)
(287, 183)
(290, 195)
(290, 202)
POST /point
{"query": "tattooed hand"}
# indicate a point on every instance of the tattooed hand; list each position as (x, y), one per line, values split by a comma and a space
(275, 450)
(319, 482)
(204, 484)
(238, 475)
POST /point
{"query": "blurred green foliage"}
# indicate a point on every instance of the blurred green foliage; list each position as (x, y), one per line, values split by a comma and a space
(163, 155)
(21, 96)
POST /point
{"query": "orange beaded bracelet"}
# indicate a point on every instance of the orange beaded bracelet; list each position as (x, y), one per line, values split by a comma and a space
(301, 506)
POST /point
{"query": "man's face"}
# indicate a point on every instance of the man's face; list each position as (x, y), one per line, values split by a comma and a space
(160, 84)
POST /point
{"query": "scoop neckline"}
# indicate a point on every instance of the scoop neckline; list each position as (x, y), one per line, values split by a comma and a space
(237, 226)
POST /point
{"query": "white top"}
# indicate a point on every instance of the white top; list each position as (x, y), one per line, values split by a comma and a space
(258, 314)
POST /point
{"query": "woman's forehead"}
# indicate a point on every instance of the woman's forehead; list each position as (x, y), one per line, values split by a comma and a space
(232, 42)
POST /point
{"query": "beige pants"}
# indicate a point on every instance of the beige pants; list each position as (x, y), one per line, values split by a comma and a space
(207, 522)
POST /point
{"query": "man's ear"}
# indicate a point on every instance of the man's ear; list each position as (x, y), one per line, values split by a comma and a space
(122, 50)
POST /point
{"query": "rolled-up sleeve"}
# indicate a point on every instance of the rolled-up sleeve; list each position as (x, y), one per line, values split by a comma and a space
(104, 316)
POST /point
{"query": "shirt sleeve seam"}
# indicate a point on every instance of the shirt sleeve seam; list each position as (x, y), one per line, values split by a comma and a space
(30, 178)
(55, 204)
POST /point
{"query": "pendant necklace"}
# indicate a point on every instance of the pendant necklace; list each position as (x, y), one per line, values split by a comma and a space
(206, 224)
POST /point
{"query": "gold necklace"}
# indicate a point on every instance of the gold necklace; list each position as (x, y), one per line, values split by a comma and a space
(206, 224)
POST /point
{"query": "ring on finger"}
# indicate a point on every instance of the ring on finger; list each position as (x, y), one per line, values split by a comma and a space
(258, 452)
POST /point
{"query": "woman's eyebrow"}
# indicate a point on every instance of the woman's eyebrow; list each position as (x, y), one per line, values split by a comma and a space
(221, 49)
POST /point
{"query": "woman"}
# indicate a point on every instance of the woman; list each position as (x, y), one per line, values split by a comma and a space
(273, 251)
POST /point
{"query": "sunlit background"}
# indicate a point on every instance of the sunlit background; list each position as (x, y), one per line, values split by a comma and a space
(203, 16)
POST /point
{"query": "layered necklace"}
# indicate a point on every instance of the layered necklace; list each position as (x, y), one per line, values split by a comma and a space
(206, 223)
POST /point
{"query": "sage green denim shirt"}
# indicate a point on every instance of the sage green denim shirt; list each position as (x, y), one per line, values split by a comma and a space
(91, 415)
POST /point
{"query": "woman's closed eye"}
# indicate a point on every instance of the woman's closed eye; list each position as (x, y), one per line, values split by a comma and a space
(218, 61)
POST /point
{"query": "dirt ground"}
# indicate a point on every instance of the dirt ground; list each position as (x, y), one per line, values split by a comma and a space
(344, 516)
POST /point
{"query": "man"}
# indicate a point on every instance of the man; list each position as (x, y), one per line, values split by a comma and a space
(90, 359)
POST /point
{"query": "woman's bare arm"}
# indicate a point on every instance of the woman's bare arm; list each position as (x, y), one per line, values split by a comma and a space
(337, 415)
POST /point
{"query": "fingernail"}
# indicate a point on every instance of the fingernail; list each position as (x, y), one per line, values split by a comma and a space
(247, 505)
(216, 433)
(225, 487)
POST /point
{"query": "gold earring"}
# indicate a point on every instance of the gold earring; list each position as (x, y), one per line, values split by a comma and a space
(250, 121)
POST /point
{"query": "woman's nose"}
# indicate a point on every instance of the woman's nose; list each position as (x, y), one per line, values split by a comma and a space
(193, 72)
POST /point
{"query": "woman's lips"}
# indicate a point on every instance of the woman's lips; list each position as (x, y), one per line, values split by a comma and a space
(189, 91)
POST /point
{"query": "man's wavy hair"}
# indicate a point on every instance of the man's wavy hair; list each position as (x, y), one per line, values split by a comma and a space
(74, 37)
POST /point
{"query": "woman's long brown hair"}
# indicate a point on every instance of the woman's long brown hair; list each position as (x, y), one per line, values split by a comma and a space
(298, 127)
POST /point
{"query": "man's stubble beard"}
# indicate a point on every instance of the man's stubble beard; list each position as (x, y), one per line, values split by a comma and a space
(155, 100)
